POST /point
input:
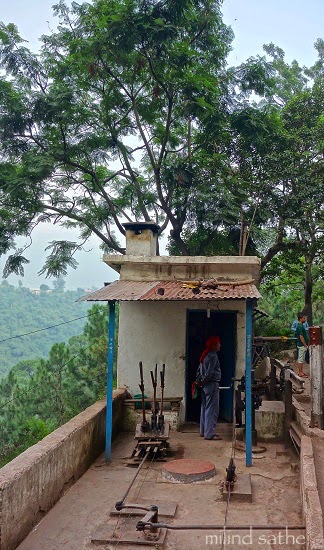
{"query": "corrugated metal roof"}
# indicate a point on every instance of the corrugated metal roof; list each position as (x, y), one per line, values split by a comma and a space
(168, 291)
(174, 290)
(120, 290)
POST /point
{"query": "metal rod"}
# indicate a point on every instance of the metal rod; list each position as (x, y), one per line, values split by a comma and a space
(141, 386)
(153, 378)
(155, 385)
(273, 338)
(220, 527)
(120, 503)
(162, 375)
(161, 417)
(110, 375)
(154, 410)
(135, 507)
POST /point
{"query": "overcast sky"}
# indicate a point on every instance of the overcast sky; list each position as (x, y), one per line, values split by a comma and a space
(294, 25)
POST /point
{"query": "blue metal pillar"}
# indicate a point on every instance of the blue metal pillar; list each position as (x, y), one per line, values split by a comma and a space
(110, 365)
(248, 385)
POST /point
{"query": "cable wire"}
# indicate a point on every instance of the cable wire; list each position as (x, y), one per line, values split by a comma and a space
(47, 328)
(56, 372)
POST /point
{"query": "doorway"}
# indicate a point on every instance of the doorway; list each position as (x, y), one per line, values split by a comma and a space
(200, 327)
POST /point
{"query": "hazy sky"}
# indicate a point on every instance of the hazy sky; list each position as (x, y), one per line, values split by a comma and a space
(294, 25)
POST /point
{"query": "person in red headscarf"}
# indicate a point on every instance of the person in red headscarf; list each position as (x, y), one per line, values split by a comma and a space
(210, 373)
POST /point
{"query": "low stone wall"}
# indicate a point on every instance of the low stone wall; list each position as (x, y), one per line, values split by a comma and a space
(34, 481)
(311, 505)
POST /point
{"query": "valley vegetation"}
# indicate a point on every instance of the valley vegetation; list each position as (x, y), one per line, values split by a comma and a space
(22, 311)
(39, 395)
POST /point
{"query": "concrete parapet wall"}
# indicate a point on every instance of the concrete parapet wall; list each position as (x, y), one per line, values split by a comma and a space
(303, 420)
(311, 505)
(34, 481)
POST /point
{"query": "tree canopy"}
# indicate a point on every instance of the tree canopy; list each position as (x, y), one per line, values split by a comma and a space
(22, 311)
(122, 115)
(39, 395)
(130, 112)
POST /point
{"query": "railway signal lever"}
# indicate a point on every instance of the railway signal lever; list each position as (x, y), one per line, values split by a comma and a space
(230, 474)
(240, 404)
(161, 416)
(145, 425)
(154, 422)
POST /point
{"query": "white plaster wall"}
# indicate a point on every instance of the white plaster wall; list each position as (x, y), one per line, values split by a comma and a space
(155, 332)
(143, 243)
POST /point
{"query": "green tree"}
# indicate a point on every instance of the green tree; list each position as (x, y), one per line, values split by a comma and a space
(22, 312)
(140, 84)
(134, 82)
(44, 288)
(59, 284)
(279, 154)
(38, 396)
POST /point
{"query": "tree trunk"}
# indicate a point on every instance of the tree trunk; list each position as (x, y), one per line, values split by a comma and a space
(175, 235)
(308, 307)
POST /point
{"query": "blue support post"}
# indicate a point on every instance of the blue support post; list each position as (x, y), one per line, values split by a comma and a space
(110, 365)
(248, 385)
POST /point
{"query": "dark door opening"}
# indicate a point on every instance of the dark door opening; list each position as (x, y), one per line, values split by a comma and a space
(199, 328)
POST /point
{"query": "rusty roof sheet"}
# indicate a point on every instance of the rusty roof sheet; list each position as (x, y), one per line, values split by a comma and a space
(169, 291)
(120, 290)
(174, 290)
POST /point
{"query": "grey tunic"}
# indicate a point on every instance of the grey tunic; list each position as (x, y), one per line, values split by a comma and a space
(210, 372)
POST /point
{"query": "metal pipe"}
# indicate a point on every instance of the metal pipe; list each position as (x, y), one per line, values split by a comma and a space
(110, 375)
(134, 507)
(120, 503)
(141, 525)
(248, 385)
(273, 338)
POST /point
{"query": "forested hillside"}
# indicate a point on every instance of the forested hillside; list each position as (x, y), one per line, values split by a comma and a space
(38, 396)
(21, 311)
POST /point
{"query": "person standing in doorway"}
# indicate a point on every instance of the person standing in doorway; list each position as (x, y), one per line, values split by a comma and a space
(302, 343)
(210, 374)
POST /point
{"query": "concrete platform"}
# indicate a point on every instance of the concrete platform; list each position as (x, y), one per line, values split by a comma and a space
(105, 534)
(241, 490)
(86, 507)
(188, 470)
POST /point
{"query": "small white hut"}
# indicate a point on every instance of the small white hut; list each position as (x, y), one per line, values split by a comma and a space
(170, 305)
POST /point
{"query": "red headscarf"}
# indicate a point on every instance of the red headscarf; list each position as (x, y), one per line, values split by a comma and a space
(212, 341)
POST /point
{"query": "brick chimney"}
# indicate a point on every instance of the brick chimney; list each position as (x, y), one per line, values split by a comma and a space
(141, 238)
